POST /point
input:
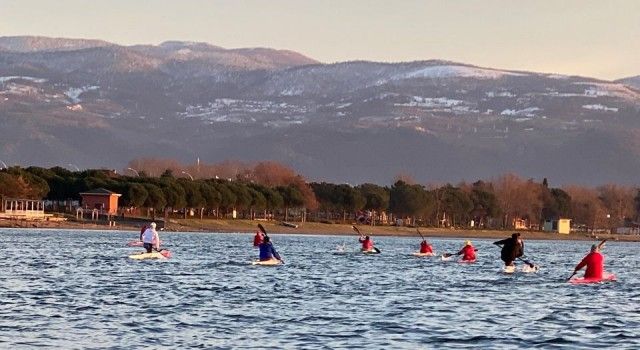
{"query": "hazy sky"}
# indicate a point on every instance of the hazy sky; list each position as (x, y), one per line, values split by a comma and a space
(584, 37)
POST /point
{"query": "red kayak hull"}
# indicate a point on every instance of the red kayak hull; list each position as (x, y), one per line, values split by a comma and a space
(606, 277)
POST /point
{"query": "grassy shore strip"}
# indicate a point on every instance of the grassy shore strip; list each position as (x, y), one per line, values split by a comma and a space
(249, 226)
(342, 229)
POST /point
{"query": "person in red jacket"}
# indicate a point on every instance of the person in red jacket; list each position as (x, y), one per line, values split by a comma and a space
(258, 239)
(425, 247)
(468, 252)
(367, 243)
(594, 261)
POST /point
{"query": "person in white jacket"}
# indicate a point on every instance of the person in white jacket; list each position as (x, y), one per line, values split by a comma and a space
(150, 238)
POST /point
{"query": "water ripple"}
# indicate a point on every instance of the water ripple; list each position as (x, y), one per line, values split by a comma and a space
(78, 290)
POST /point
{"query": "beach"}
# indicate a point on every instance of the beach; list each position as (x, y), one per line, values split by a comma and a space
(314, 228)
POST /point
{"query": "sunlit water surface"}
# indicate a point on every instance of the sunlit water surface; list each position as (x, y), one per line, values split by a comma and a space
(78, 290)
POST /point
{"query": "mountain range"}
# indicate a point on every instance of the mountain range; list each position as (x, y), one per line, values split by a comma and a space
(91, 103)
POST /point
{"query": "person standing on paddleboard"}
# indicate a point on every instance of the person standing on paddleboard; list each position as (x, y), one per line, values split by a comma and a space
(594, 261)
(425, 247)
(468, 252)
(267, 251)
(258, 239)
(150, 238)
(512, 248)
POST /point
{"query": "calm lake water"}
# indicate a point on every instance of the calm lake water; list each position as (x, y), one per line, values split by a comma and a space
(78, 290)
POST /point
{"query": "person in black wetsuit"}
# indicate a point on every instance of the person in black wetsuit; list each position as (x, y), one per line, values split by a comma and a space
(512, 248)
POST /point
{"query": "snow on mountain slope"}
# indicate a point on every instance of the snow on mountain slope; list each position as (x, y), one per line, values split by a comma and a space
(451, 71)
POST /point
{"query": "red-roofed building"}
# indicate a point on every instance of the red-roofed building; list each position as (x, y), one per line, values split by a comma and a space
(102, 199)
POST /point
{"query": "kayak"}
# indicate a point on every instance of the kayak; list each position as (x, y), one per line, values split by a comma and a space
(606, 277)
(422, 254)
(372, 251)
(164, 254)
(270, 262)
(134, 244)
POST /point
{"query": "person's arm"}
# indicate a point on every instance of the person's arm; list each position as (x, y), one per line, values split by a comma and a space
(501, 242)
(275, 253)
(582, 264)
(520, 249)
(156, 239)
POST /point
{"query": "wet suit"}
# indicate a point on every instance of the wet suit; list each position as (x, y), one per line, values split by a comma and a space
(268, 252)
(512, 248)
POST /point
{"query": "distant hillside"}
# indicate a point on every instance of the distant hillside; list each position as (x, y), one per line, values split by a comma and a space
(38, 43)
(632, 81)
(101, 105)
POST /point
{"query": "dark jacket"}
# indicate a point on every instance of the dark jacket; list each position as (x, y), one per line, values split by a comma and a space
(512, 248)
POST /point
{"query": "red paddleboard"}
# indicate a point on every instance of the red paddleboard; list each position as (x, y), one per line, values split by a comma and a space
(467, 261)
(606, 277)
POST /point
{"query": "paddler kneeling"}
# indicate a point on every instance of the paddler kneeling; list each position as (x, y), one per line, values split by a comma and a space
(512, 248)
(367, 243)
(425, 247)
(150, 238)
(594, 261)
(468, 252)
(267, 251)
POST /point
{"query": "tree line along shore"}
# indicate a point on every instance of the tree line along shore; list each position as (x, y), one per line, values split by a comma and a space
(272, 192)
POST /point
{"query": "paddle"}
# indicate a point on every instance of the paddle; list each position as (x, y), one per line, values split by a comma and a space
(448, 255)
(599, 246)
(358, 232)
(531, 265)
(264, 232)
(421, 236)
(166, 253)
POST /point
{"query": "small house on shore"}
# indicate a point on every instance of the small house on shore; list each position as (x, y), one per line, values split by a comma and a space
(101, 199)
(560, 225)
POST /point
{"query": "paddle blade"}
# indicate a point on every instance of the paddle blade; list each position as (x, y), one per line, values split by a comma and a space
(262, 229)
(377, 250)
(356, 229)
(165, 253)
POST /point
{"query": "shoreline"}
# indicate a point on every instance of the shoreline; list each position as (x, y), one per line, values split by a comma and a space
(314, 228)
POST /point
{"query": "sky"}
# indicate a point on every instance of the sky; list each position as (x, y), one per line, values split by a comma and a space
(579, 37)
